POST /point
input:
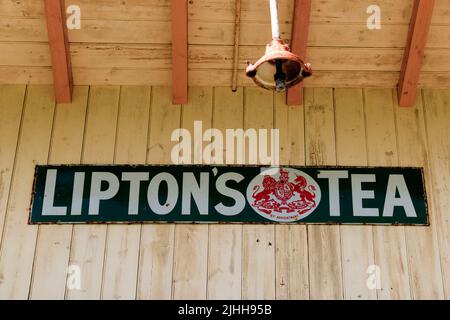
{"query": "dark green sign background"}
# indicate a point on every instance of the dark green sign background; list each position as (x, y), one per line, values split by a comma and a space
(116, 208)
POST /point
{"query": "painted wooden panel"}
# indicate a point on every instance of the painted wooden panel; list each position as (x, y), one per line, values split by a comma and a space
(324, 245)
(53, 244)
(117, 39)
(325, 11)
(437, 114)
(88, 241)
(205, 77)
(134, 125)
(11, 106)
(412, 151)
(258, 252)
(351, 149)
(389, 243)
(291, 242)
(156, 248)
(225, 242)
(191, 241)
(19, 238)
(221, 33)
(122, 244)
(201, 57)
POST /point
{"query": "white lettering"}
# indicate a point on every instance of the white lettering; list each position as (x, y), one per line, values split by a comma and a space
(135, 179)
(97, 194)
(48, 208)
(77, 196)
(333, 182)
(358, 195)
(239, 199)
(397, 182)
(200, 193)
(153, 192)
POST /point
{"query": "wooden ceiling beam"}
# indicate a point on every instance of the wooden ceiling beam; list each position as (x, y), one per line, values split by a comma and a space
(414, 51)
(299, 42)
(179, 51)
(59, 49)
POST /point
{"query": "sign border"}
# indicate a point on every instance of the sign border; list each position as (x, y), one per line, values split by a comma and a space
(268, 222)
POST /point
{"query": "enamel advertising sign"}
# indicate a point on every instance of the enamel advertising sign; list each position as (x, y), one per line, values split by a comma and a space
(228, 194)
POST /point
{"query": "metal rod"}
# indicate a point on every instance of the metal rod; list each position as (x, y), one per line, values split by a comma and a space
(274, 19)
(237, 32)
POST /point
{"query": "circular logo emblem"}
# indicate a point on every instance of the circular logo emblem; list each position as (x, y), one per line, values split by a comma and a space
(283, 194)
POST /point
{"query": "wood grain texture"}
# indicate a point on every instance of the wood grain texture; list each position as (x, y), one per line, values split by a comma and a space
(292, 278)
(157, 57)
(59, 49)
(157, 241)
(415, 51)
(413, 151)
(258, 252)
(437, 117)
(220, 33)
(389, 243)
(53, 244)
(89, 241)
(326, 11)
(122, 244)
(179, 51)
(351, 150)
(19, 238)
(343, 126)
(324, 249)
(127, 76)
(191, 241)
(225, 241)
(334, 24)
(299, 42)
(11, 108)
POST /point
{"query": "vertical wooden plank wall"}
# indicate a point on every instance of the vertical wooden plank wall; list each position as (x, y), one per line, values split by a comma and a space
(437, 115)
(156, 248)
(88, 241)
(19, 238)
(53, 246)
(412, 151)
(190, 269)
(389, 243)
(225, 241)
(134, 125)
(291, 241)
(258, 252)
(324, 244)
(122, 245)
(351, 150)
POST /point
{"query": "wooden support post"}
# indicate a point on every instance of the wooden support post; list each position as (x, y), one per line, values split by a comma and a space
(59, 49)
(414, 51)
(300, 29)
(179, 51)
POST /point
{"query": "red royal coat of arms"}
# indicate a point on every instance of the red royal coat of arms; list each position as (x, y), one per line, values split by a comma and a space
(289, 197)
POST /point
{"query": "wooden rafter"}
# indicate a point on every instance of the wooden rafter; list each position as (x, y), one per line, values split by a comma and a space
(59, 49)
(414, 51)
(299, 42)
(179, 51)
